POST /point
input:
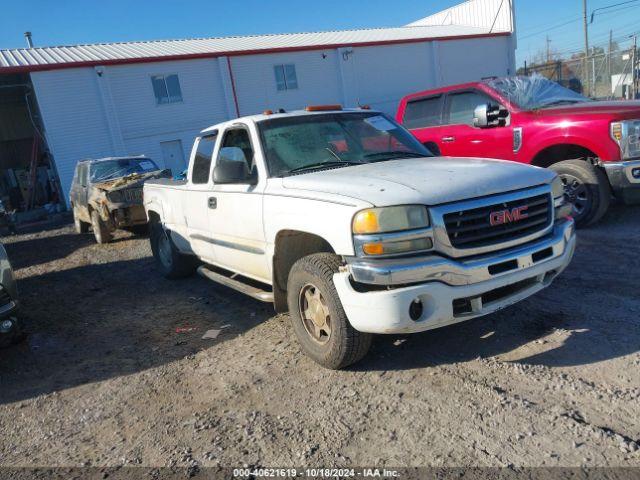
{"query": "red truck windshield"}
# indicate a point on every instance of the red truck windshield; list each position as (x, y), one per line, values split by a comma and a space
(309, 142)
(532, 93)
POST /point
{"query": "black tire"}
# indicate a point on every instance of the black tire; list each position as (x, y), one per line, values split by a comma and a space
(343, 345)
(140, 230)
(79, 225)
(16, 335)
(171, 263)
(100, 229)
(587, 188)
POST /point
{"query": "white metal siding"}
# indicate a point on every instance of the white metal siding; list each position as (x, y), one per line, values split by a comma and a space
(203, 102)
(87, 115)
(150, 145)
(383, 75)
(74, 119)
(318, 81)
(463, 61)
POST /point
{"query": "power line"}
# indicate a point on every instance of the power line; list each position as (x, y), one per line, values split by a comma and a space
(575, 19)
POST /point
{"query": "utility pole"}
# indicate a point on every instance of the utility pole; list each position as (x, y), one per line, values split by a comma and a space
(633, 67)
(548, 49)
(609, 57)
(585, 75)
(593, 72)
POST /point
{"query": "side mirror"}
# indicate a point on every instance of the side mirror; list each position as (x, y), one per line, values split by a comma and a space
(232, 168)
(487, 115)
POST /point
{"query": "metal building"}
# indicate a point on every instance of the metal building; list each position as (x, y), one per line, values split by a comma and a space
(152, 98)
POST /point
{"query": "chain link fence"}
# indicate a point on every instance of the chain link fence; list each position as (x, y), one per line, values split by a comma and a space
(601, 75)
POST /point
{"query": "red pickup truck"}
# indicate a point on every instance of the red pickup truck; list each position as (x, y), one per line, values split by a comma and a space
(593, 145)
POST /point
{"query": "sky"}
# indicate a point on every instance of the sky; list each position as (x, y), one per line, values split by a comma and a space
(63, 22)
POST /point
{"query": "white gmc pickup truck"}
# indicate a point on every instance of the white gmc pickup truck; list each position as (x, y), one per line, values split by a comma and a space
(344, 219)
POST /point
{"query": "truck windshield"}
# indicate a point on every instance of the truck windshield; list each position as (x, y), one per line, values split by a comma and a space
(535, 92)
(312, 142)
(120, 167)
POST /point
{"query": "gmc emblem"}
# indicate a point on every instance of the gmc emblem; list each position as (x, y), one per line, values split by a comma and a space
(508, 216)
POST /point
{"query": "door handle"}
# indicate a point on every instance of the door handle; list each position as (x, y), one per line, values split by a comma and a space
(213, 202)
(448, 139)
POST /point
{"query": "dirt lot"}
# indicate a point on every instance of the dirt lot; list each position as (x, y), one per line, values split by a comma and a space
(104, 379)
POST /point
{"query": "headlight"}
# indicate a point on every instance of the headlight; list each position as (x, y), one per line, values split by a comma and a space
(390, 219)
(627, 135)
(562, 207)
(115, 197)
(557, 188)
(392, 230)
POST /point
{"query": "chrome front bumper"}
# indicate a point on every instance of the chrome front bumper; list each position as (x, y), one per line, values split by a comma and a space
(624, 184)
(429, 268)
(449, 291)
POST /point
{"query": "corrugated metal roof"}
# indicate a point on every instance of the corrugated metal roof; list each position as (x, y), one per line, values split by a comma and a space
(494, 15)
(107, 53)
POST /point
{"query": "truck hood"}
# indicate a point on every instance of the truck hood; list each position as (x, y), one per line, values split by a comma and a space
(427, 181)
(617, 109)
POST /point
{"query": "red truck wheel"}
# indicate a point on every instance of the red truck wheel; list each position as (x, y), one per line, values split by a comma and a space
(586, 187)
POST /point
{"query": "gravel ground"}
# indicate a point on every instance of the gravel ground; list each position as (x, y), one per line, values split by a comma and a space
(104, 378)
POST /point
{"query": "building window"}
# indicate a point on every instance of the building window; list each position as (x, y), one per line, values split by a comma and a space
(166, 89)
(286, 78)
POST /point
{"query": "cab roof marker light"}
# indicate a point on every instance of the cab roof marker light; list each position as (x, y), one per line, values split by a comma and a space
(323, 108)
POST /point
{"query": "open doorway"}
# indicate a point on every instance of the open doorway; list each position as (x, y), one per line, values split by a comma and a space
(29, 185)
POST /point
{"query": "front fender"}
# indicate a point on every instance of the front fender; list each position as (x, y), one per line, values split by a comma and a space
(329, 221)
(153, 205)
(593, 136)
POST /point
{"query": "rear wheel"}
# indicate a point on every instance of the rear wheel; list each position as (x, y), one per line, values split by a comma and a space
(79, 225)
(317, 317)
(171, 263)
(586, 187)
(100, 229)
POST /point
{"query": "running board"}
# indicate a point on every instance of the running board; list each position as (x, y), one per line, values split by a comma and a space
(254, 292)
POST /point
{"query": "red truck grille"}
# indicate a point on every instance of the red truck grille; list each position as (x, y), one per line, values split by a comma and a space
(502, 222)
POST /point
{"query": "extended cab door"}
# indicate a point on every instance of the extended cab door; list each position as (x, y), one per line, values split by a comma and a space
(195, 201)
(423, 117)
(459, 138)
(235, 208)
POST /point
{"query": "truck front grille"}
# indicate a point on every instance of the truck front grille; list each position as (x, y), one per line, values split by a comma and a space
(5, 298)
(498, 223)
(133, 195)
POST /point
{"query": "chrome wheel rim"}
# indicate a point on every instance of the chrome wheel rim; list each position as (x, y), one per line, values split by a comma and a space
(315, 314)
(576, 192)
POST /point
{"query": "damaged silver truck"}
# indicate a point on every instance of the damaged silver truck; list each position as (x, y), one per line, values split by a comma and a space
(106, 194)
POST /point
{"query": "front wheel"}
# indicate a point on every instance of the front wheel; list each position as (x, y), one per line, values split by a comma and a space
(586, 187)
(317, 317)
(171, 263)
(100, 229)
(79, 225)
